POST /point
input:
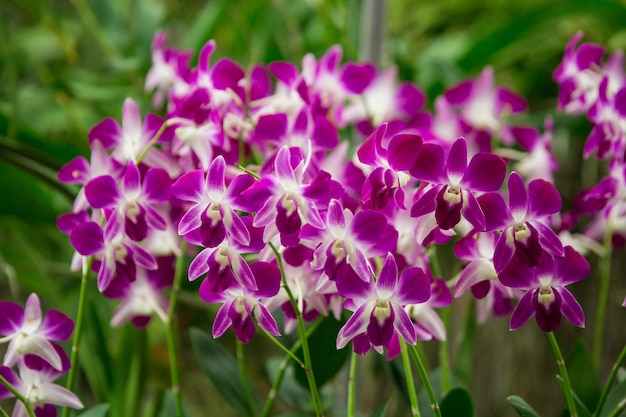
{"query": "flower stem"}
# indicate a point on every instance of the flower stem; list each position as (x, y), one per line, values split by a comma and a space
(80, 314)
(421, 370)
(567, 387)
(169, 331)
(315, 396)
(244, 375)
(444, 356)
(3, 413)
(408, 372)
(351, 385)
(150, 144)
(271, 397)
(603, 296)
(609, 381)
(18, 395)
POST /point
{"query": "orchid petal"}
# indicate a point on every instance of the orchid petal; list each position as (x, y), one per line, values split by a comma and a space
(518, 198)
(485, 172)
(388, 278)
(429, 165)
(403, 324)
(523, 311)
(413, 287)
(544, 199)
(102, 192)
(570, 307)
(189, 187)
(456, 164)
(356, 324)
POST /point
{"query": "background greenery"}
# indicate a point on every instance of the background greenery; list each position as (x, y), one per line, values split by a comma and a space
(67, 64)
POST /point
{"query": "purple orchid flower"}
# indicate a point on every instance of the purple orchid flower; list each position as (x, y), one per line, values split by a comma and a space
(349, 240)
(455, 183)
(523, 223)
(546, 297)
(379, 306)
(214, 204)
(608, 137)
(28, 332)
(578, 75)
(133, 200)
(287, 201)
(538, 161)
(391, 153)
(35, 383)
(117, 255)
(241, 304)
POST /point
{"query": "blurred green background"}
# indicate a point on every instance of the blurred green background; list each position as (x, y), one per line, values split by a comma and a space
(67, 64)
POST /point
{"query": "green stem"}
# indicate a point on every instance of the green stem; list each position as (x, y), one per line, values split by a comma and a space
(408, 372)
(3, 413)
(150, 144)
(444, 354)
(271, 396)
(315, 396)
(351, 385)
(618, 409)
(421, 370)
(18, 395)
(244, 375)
(609, 382)
(170, 331)
(603, 296)
(567, 387)
(80, 315)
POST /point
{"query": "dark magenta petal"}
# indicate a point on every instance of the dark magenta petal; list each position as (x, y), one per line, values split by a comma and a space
(350, 285)
(380, 333)
(285, 72)
(335, 218)
(526, 136)
(222, 321)
(356, 325)
(215, 178)
(271, 127)
(456, 164)
(106, 132)
(589, 54)
(235, 192)
(189, 187)
(192, 219)
(74, 172)
(485, 172)
(403, 150)
(368, 152)
(235, 227)
(413, 286)
(518, 199)
(87, 238)
(570, 268)
(322, 189)
(426, 203)
(548, 317)
(619, 102)
(367, 227)
(544, 199)
(204, 60)
(265, 319)
(132, 180)
(324, 133)
(458, 94)
(497, 215)
(523, 311)
(200, 264)
(472, 212)
(156, 185)
(267, 278)
(403, 324)
(570, 307)
(283, 167)
(8, 374)
(409, 99)
(388, 278)
(57, 326)
(226, 74)
(102, 192)
(511, 101)
(260, 85)
(357, 77)
(11, 318)
(518, 275)
(68, 221)
(429, 165)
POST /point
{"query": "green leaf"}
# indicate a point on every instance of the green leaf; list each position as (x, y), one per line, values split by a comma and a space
(583, 376)
(222, 369)
(205, 24)
(326, 359)
(616, 399)
(168, 409)
(522, 407)
(99, 410)
(458, 403)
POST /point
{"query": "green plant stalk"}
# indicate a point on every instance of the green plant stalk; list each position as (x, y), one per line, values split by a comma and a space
(603, 296)
(3, 413)
(152, 142)
(618, 410)
(351, 385)
(421, 370)
(444, 354)
(609, 382)
(80, 316)
(244, 375)
(408, 373)
(308, 370)
(271, 396)
(567, 387)
(170, 331)
(18, 395)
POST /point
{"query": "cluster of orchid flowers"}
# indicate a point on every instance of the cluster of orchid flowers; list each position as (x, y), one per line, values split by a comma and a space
(283, 213)
(39, 360)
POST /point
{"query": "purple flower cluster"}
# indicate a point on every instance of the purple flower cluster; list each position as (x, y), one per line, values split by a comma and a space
(39, 359)
(248, 166)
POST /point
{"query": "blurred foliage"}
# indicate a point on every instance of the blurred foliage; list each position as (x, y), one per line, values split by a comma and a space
(67, 64)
